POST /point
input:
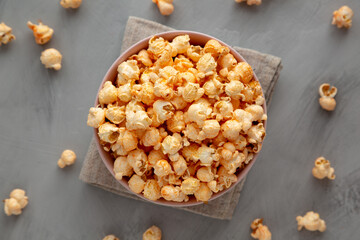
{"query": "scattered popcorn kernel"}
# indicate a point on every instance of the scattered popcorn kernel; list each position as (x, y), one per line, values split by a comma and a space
(190, 185)
(136, 184)
(108, 132)
(260, 231)
(343, 17)
(70, 3)
(327, 97)
(323, 169)
(172, 193)
(42, 33)
(67, 158)
(122, 168)
(6, 35)
(51, 58)
(203, 193)
(152, 190)
(96, 117)
(205, 174)
(165, 6)
(110, 237)
(250, 2)
(17, 201)
(162, 168)
(138, 161)
(152, 233)
(311, 221)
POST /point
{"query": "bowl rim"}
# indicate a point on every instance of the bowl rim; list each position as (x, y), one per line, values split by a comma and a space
(134, 49)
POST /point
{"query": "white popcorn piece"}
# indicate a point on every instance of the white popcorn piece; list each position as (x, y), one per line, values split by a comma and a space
(311, 221)
(126, 141)
(323, 169)
(179, 166)
(51, 58)
(256, 133)
(213, 88)
(152, 138)
(206, 155)
(177, 123)
(154, 156)
(42, 32)
(68, 157)
(6, 35)
(231, 129)
(136, 117)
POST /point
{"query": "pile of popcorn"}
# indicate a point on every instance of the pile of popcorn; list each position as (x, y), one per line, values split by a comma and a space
(181, 119)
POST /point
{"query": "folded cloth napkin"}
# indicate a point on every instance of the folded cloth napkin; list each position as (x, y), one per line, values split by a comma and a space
(94, 172)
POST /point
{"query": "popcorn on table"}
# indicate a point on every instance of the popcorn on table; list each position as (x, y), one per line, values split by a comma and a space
(68, 157)
(260, 231)
(42, 32)
(6, 35)
(327, 97)
(152, 233)
(343, 17)
(311, 221)
(322, 169)
(51, 58)
(250, 2)
(180, 120)
(166, 7)
(110, 237)
(17, 201)
(70, 3)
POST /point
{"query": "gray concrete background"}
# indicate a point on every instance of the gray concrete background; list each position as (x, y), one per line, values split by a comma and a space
(43, 112)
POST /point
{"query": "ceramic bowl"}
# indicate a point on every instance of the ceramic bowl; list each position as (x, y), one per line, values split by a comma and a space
(196, 38)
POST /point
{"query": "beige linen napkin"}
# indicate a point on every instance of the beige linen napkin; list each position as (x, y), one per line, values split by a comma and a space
(94, 172)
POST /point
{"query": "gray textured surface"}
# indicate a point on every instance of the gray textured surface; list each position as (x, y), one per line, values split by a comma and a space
(42, 112)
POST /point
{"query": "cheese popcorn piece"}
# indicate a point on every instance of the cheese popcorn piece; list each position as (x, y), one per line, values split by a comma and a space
(182, 64)
(194, 53)
(144, 58)
(223, 110)
(203, 193)
(256, 133)
(96, 117)
(17, 201)
(343, 17)
(136, 117)
(213, 88)
(250, 2)
(172, 193)
(206, 64)
(245, 118)
(311, 221)
(210, 129)
(67, 158)
(144, 93)
(51, 58)
(70, 3)
(179, 166)
(156, 47)
(206, 155)
(191, 92)
(162, 168)
(257, 112)
(115, 114)
(110, 237)
(152, 190)
(6, 35)
(165, 6)
(323, 169)
(136, 184)
(108, 94)
(234, 89)
(225, 179)
(171, 144)
(42, 32)
(138, 161)
(198, 112)
(242, 72)
(124, 92)
(152, 233)
(128, 71)
(152, 138)
(125, 142)
(177, 123)
(154, 156)
(227, 62)
(122, 168)
(108, 132)
(215, 48)
(163, 110)
(180, 44)
(190, 185)
(231, 129)
(260, 231)
(327, 97)
(205, 174)
(235, 161)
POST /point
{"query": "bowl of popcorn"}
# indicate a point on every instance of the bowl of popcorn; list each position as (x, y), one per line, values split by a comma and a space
(179, 118)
